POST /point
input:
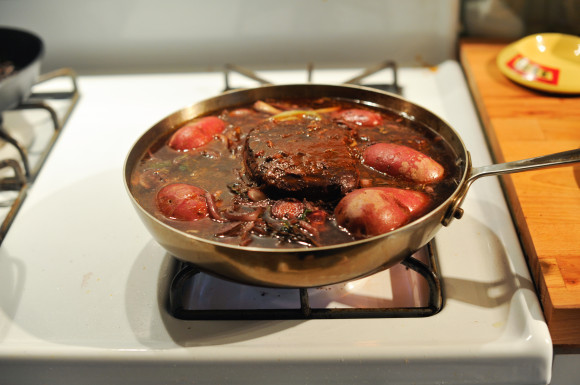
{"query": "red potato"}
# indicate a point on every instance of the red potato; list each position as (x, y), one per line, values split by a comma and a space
(398, 160)
(284, 209)
(358, 117)
(183, 202)
(377, 210)
(196, 134)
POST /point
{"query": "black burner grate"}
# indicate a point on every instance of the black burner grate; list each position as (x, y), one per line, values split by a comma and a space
(180, 290)
(184, 279)
(389, 86)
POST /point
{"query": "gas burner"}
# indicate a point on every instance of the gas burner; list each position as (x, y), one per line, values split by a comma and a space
(27, 135)
(389, 87)
(411, 289)
(392, 86)
(395, 293)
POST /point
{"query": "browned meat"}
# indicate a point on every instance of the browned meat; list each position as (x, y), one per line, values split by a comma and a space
(301, 157)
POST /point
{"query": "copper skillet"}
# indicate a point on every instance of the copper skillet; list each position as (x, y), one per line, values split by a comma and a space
(318, 266)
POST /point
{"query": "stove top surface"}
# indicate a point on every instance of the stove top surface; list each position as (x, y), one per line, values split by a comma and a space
(83, 286)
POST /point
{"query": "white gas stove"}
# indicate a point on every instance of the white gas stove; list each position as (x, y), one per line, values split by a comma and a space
(84, 289)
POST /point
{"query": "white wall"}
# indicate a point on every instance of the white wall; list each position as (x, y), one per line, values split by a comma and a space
(176, 35)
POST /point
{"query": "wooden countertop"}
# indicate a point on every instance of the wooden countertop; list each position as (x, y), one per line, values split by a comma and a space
(523, 123)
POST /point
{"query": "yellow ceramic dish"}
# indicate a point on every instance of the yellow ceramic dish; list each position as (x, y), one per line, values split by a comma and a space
(548, 62)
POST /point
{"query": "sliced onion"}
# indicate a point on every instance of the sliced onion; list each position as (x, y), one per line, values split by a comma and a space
(265, 107)
(256, 195)
(326, 110)
(243, 216)
(296, 114)
(212, 208)
(311, 229)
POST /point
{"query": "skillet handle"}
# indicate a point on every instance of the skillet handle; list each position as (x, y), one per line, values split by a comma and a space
(553, 160)
(546, 161)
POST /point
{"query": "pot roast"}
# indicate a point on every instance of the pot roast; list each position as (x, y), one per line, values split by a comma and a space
(302, 158)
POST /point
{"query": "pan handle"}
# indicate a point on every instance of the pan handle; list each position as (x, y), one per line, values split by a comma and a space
(545, 161)
(553, 160)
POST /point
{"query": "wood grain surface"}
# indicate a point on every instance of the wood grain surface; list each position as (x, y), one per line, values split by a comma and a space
(522, 123)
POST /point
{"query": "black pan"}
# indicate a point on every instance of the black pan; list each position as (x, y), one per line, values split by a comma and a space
(24, 50)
